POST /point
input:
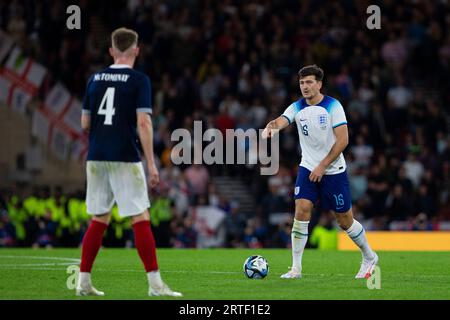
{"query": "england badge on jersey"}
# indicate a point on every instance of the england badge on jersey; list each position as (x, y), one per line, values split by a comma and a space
(323, 121)
(297, 190)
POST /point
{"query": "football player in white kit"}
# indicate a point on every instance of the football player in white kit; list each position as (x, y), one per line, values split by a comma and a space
(323, 135)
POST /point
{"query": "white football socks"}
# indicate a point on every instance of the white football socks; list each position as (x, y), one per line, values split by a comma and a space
(154, 279)
(84, 279)
(358, 235)
(299, 237)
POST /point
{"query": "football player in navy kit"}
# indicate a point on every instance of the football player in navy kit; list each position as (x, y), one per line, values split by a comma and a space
(117, 114)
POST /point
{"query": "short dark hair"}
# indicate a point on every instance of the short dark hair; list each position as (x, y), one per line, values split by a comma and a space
(123, 39)
(312, 70)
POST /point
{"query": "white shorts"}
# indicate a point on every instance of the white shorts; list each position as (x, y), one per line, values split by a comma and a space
(121, 182)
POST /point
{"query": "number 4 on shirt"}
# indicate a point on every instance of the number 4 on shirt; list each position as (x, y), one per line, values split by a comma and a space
(107, 106)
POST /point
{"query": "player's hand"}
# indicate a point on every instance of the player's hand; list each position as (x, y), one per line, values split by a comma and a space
(154, 175)
(317, 174)
(269, 130)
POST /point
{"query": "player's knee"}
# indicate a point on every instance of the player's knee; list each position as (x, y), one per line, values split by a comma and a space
(303, 209)
(145, 216)
(343, 224)
(105, 218)
(344, 220)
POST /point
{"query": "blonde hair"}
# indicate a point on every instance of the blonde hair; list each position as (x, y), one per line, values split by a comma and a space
(123, 39)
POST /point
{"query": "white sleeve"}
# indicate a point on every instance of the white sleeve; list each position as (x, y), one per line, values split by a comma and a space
(290, 112)
(337, 115)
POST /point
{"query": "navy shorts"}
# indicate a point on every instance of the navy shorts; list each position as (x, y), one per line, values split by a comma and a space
(334, 190)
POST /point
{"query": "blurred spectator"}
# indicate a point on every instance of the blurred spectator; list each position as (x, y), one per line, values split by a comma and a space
(344, 83)
(7, 231)
(358, 183)
(257, 113)
(282, 235)
(421, 223)
(185, 235)
(362, 152)
(425, 203)
(394, 51)
(213, 196)
(197, 177)
(275, 200)
(224, 121)
(398, 204)
(255, 233)
(377, 190)
(413, 169)
(235, 225)
(231, 106)
(324, 235)
(404, 181)
(46, 231)
(400, 95)
(444, 211)
(178, 190)
(161, 213)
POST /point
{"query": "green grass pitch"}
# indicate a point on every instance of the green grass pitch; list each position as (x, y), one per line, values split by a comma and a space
(217, 274)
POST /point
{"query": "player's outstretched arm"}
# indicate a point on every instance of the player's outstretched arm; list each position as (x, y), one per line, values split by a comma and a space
(273, 126)
(145, 130)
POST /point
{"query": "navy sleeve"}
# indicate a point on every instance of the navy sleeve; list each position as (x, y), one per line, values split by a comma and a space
(144, 101)
(86, 105)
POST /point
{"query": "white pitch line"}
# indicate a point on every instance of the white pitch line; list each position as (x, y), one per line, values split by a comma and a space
(68, 262)
(34, 268)
(39, 264)
(40, 258)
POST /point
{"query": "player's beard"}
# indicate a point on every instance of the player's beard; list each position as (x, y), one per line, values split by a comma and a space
(309, 95)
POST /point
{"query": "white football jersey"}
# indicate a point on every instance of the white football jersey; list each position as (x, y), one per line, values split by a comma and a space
(315, 130)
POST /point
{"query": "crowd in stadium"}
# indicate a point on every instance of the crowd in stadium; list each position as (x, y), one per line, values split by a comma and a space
(50, 218)
(233, 64)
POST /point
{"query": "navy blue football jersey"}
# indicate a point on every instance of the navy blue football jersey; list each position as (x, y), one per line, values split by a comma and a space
(113, 98)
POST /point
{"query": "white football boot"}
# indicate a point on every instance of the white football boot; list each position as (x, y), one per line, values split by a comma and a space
(163, 290)
(88, 290)
(85, 287)
(367, 267)
(294, 273)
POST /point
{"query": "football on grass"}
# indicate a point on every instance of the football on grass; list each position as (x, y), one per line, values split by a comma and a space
(256, 267)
